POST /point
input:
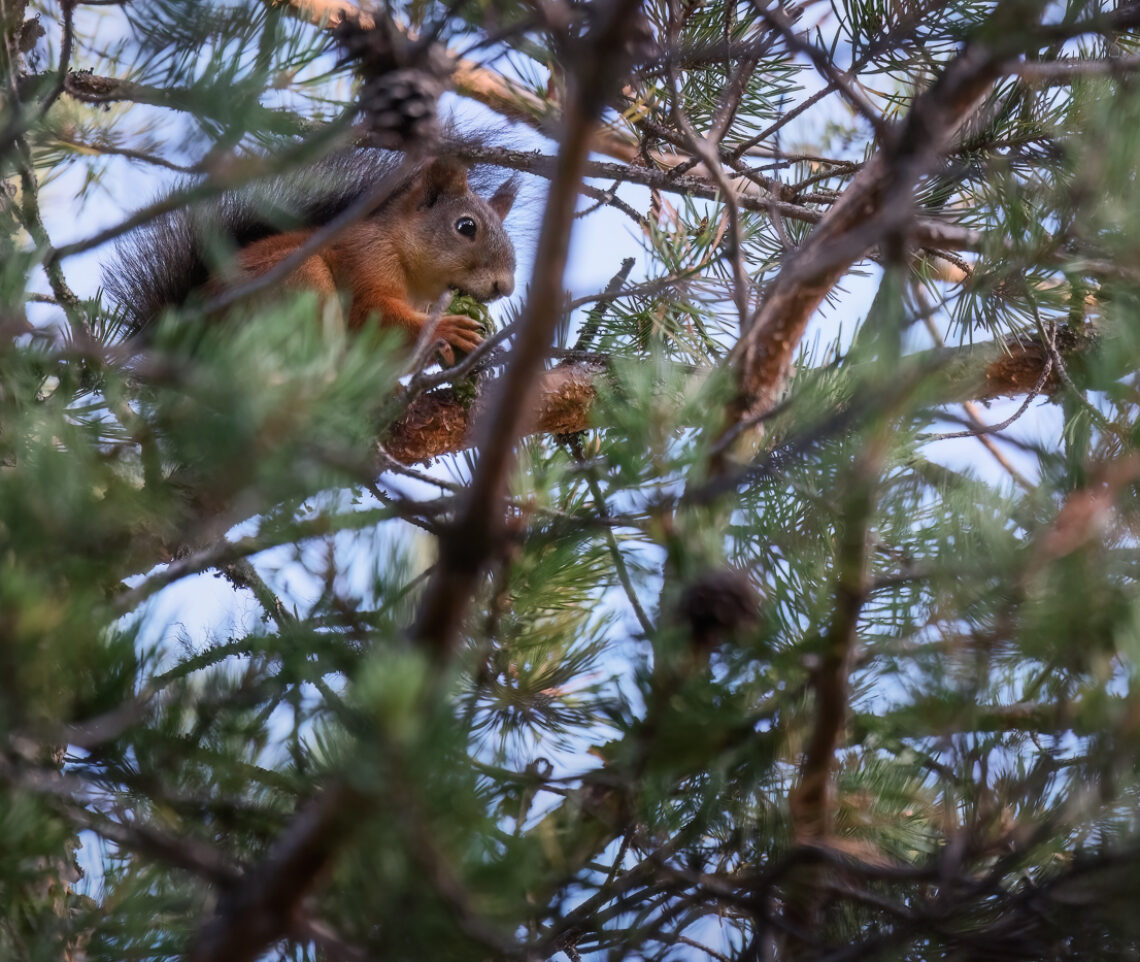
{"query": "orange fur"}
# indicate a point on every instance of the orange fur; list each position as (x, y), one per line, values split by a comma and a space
(395, 266)
(365, 264)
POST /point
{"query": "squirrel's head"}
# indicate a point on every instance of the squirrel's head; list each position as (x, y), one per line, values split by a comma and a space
(468, 248)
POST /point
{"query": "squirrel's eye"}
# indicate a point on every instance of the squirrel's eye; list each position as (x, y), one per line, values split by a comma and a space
(466, 226)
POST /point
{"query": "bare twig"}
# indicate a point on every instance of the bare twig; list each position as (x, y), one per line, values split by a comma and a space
(707, 149)
(975, 416)
(983, 429)
(844, 83)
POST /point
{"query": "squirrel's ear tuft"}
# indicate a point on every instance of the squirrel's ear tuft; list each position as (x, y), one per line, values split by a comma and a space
(443, 177)
(500, 201)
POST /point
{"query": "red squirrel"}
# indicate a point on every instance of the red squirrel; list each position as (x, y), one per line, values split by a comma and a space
(430, 234)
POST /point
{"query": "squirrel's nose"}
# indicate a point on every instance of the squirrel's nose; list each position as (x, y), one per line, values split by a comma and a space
(505, 287)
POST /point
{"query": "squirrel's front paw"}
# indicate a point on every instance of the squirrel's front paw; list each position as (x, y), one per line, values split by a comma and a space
(460, 332)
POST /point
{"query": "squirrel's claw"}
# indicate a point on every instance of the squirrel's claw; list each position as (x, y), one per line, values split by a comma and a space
(446, 354)
(459, 331)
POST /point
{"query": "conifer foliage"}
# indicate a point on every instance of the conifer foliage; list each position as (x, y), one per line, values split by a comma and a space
(778, 599)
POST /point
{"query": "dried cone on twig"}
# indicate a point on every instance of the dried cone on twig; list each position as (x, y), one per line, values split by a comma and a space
(402, 81)
(717, 605)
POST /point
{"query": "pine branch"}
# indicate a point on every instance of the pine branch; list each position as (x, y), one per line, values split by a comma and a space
(598, 59)
(878, 203)
(1067, 71)
(502, 95)
(875, 204)
(265, 905)
(73, 795)
(90, 88)
(439, 423)
(927, 231)
(812, 803)
(33, 223)
(442, 422)
(477, 82)
(20, 123)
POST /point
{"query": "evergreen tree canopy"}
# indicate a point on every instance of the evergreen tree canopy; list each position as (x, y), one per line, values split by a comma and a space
(776, 600)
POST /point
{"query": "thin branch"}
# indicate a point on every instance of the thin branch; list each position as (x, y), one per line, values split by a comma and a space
(242, 574)
(844, 83)
(265, 905)
(614, 548)
(33, 223)
(1051, 72)
(140, 155)
(984, 429)
(707, 148)
(466, 549)
(602, 303)
(975, 416)
(811, 804)
(90, 88)
(742, 148)
(224, 552)
(19, 124)
(927, 232)
(878, 201)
